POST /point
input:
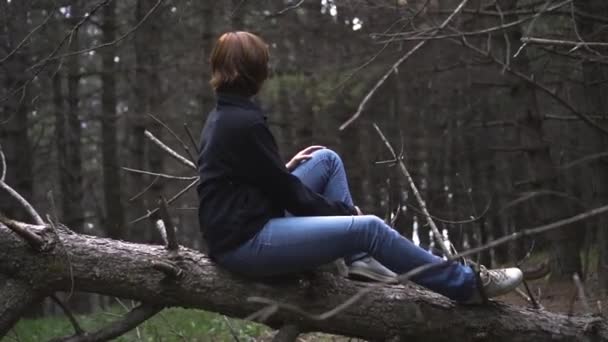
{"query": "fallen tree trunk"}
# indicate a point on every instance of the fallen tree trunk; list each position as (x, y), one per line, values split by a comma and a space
(186, 278)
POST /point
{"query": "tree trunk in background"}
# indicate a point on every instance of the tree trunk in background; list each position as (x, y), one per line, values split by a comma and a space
(595, 89)
(14, 119)
(70, 173)
(146, 155)
(207, 39)
(114, 215)
(542, 173)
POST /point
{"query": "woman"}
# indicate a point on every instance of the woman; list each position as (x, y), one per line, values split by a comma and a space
(245, 191)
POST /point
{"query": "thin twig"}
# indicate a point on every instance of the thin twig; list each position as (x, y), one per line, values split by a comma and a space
(394, 67)
(160, 226)
(172, 244)
(161, 175)
(27, 37)
(179, 194)
(439, 219)
(191, 137)
(416, 36)
(141, 193)
(232, 330)
(184, 146)
(171, 152)
(505, 34)
(115, 41)
(532, 81)
(3, 165)
(421, 202)
(52, 56)
(530, 295)
(26, 232)
(24, 203)
(53, 223)
(77, 328)
(119, 327)
(557, 42)
(286, 9)
(581, 293)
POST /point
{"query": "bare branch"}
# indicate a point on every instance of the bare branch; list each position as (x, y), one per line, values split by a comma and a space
(397, 64)
(117, 328)
(77, 328)
(184, 146)
(171, 152)
(160, 226)
(53, 55)
(178, 195)
(557, 42)
(141, 193)
(161, 175)
(233, 331)
(26, 232)
(429, 219)
(191, 137)
(584, 160)
(536, 84)
(172, 244)
(3, 165)
(286, 9)
(581, 293)
(27, 37)
(24, 203)
(116, 41)
(415, 36)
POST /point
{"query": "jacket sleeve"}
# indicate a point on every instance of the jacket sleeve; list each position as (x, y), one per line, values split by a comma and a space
(266, 170)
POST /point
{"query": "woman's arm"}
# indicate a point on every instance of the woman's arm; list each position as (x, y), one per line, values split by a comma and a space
(266, 169)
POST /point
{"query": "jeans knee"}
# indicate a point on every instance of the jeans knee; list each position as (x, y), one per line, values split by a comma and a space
(328, 155)
(368, 226)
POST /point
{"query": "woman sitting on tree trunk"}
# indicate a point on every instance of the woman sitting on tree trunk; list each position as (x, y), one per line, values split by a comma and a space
(261, 217)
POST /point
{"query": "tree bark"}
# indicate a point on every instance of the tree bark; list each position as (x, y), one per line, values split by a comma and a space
(17, 299)
(404, 312)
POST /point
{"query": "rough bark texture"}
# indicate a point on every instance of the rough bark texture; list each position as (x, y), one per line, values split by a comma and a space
(122, 269)
(17, 298)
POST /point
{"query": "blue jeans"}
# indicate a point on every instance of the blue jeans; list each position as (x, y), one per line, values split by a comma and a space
(294, 244)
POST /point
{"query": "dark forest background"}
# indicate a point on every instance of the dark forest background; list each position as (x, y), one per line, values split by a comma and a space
(501, 117)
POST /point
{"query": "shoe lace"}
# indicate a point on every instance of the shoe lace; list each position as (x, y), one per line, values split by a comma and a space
(487, 276)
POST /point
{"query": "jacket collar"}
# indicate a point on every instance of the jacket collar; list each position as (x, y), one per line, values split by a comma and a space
(236, 100)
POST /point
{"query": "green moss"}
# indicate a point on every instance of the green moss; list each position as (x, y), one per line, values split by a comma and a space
(170, 325)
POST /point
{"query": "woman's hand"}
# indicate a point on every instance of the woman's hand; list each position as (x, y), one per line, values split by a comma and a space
(305, 154)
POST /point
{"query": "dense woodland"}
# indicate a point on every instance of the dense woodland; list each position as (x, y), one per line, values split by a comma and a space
(501, 115)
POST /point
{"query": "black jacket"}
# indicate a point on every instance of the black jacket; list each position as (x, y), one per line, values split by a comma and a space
(243, 181)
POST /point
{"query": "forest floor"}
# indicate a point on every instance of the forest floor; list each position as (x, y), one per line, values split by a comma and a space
(563, 296)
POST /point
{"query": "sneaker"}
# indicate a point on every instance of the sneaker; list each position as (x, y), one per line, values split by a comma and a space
(496, 283)
(370, 269)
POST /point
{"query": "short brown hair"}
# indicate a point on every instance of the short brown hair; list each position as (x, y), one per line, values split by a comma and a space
(239, 63)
